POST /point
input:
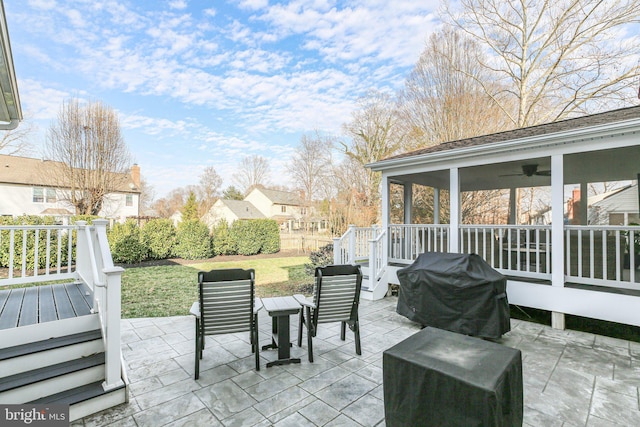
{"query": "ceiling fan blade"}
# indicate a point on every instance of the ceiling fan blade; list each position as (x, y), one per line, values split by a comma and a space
(512, 174)
(544, 173)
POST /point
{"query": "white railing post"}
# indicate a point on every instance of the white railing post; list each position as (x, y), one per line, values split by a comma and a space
(337, 250)
(111, 309)
(373, 261)
(83, 261)
(113, 370)
(351, 258)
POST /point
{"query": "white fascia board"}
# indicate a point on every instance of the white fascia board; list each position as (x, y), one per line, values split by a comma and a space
(10, 99)
(538, 142)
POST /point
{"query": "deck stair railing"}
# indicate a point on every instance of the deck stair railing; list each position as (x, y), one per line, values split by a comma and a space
(353, 246)
(34, 254)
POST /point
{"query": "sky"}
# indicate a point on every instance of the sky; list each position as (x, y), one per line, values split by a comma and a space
(201, 83)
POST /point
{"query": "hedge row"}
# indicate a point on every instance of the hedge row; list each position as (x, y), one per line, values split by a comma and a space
(159, 239)
(130, 244)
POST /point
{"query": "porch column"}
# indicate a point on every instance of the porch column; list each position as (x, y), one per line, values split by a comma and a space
(436, 206)
(385, 218)
(513, 193)
(584, 202)
(557, 231)
(454, 209)
(385, 202)
(408, 201)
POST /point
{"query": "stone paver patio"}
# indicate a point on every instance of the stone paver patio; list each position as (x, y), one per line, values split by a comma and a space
(570, 378)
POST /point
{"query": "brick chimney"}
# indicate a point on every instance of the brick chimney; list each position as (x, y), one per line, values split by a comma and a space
(135, 175)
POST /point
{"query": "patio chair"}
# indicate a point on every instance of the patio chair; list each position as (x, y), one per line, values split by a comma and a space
(227, 304)
(336, 297)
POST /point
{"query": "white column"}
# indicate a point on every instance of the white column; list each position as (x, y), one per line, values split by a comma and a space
(454, 209)
(584, 202)
(385, 202)
(408, 201)
(385, 218)
(513, 194)
(557, 232)
(436, 206)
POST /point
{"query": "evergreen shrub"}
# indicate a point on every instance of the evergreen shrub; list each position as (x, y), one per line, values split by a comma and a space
(159, 236)
(126, 243)
(193, 240)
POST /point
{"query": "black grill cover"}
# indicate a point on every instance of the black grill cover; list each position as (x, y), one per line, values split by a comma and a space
(457, 292)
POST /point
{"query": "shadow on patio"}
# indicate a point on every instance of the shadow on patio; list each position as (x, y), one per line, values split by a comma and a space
(570, 378)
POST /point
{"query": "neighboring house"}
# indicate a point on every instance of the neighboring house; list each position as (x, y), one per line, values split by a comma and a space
(285, 207)
(25, 190)
(230, 211)
(619, 207)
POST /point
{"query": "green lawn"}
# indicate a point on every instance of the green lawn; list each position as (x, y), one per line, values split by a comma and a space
(169, 290)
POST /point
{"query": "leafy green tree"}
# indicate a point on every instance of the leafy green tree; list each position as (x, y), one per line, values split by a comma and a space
(190, 208)
(232, 193)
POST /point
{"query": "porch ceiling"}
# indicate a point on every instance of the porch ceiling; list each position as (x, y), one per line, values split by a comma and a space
(617, 164)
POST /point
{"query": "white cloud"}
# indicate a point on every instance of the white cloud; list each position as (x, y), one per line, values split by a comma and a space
(43, 4)
(42, 101)
(178, 4)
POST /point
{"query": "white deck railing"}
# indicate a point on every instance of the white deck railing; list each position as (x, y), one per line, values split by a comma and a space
(520, 250)
(36, 253)
(407, 241)
(600, 255)
(353, 245)
(594, 255)
(53, 258)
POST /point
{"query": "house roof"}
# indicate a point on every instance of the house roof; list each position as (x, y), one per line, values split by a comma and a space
(38, 172)
(528, 132)
(242, 209)
(281, 197)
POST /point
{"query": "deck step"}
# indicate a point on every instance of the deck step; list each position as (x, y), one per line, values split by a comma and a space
(28, 357)
(38, 383)
(74, 395)
(50, 344)
(48, 372)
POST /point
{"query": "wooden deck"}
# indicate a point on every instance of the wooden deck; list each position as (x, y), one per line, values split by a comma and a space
(39, 304)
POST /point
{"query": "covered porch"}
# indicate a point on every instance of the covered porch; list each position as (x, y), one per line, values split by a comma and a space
(514, 198)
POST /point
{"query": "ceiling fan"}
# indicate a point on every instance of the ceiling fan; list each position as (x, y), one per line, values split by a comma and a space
(530, 170)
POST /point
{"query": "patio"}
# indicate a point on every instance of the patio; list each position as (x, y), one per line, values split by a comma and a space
(570, 378)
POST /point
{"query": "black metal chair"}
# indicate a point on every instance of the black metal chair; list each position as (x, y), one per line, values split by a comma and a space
(336, 297)
(227, 304)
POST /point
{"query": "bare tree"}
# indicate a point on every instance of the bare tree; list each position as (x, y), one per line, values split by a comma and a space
(94, 158)
(208, 189)
(147, 194)
(375, 134)
(16, 141)
(252, 171)
(553, 59)
(442, 99)
(311, 164)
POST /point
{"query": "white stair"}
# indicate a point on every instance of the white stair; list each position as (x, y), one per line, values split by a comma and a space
(66, 369)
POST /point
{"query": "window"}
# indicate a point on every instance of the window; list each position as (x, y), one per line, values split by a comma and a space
(283, 208)
(129, 200)
(38, 195)
(51, 195)
(303, 211)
